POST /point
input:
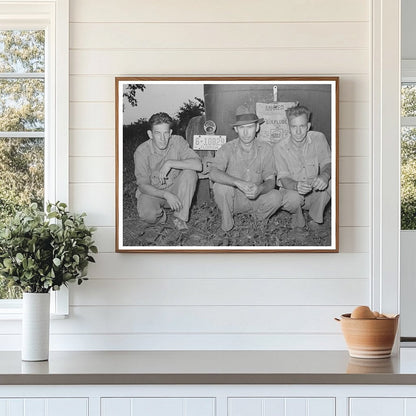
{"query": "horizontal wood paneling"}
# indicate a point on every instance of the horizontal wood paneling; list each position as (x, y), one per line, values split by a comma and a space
(354, 208)
(104, 238)
(222, 62)
(92, 115)
(146, 342)
(94, 143)
(219, 11)
(201, 319)
(221, 35)
(97, 88)
(96, 199)
(354, 239)
(252, 266)
(221, 291)
(92, 169)
(354, 170)
(194, 320)
(354, 142)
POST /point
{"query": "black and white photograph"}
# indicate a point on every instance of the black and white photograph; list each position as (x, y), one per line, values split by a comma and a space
(236, 164)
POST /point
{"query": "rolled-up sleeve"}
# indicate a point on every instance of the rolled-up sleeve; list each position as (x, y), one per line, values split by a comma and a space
(141, 168)
(221, 159)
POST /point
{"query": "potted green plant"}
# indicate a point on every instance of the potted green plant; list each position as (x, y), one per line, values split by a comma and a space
(40, 252)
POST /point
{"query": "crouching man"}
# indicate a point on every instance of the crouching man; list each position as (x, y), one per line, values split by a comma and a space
(243, 173)
(165, 169)
(303, 163)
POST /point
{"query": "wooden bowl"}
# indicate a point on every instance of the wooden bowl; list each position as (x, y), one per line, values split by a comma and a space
(369, 338)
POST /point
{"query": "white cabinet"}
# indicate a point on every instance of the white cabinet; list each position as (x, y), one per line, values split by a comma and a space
(382, 406)
(208, 400)
(44, 407)
(271, 406)
(160, 406)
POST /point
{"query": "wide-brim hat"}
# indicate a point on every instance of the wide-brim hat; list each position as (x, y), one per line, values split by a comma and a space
(244, 116)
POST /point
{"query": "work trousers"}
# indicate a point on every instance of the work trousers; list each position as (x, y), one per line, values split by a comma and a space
(314, 202)
(232, 201)
(150, 208)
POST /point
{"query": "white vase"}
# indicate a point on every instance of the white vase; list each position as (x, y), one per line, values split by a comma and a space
(35, 326)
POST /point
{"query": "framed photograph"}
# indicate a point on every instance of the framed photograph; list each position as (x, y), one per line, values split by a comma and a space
(226, 164)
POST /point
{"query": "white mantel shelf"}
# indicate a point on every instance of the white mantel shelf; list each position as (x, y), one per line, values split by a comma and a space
(207, 367)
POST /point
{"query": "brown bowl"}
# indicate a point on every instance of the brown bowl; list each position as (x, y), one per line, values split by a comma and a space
(369, 338)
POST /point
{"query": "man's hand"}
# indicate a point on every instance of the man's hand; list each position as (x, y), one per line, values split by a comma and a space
(253, 192)
(320, 183)
(173, 201)
(249, 189)
(243, 186)
(164, 170)
(303, 188)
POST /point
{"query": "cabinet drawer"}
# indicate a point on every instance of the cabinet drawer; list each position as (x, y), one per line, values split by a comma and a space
(376, 406)
(44, 407)
(158, 406)
(280, 406)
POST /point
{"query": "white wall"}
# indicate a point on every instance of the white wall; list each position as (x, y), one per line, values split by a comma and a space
(215, 301)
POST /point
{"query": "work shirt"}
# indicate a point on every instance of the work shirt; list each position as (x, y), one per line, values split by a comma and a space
(148, 160)
(302, 163)
(254, 166)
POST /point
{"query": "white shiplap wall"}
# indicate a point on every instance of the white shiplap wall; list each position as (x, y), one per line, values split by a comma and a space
(253, 301)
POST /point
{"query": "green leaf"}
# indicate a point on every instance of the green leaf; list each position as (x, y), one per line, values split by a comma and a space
(57, 262)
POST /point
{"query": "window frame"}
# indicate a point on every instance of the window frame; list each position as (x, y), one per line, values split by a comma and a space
(53, 17)
(408, 75)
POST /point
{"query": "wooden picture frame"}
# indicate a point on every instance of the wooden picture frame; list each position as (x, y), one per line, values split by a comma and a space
(206, 119)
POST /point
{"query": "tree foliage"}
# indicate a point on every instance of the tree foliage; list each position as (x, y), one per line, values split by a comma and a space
(408, 100)
(188, 110)
(130, 93)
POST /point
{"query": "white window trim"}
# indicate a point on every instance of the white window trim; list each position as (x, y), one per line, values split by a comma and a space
(385, 96)
(54, 16)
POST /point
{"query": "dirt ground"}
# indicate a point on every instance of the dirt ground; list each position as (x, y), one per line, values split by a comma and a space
(205, 230)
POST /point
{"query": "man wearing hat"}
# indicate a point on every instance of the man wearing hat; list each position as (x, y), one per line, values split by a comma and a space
(243, 173)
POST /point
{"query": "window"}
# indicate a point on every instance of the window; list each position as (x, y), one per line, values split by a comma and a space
(22, 124)
(408, 154)
(34, 109)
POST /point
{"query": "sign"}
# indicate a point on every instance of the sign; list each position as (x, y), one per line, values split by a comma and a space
(208, 141)
(275, 126)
